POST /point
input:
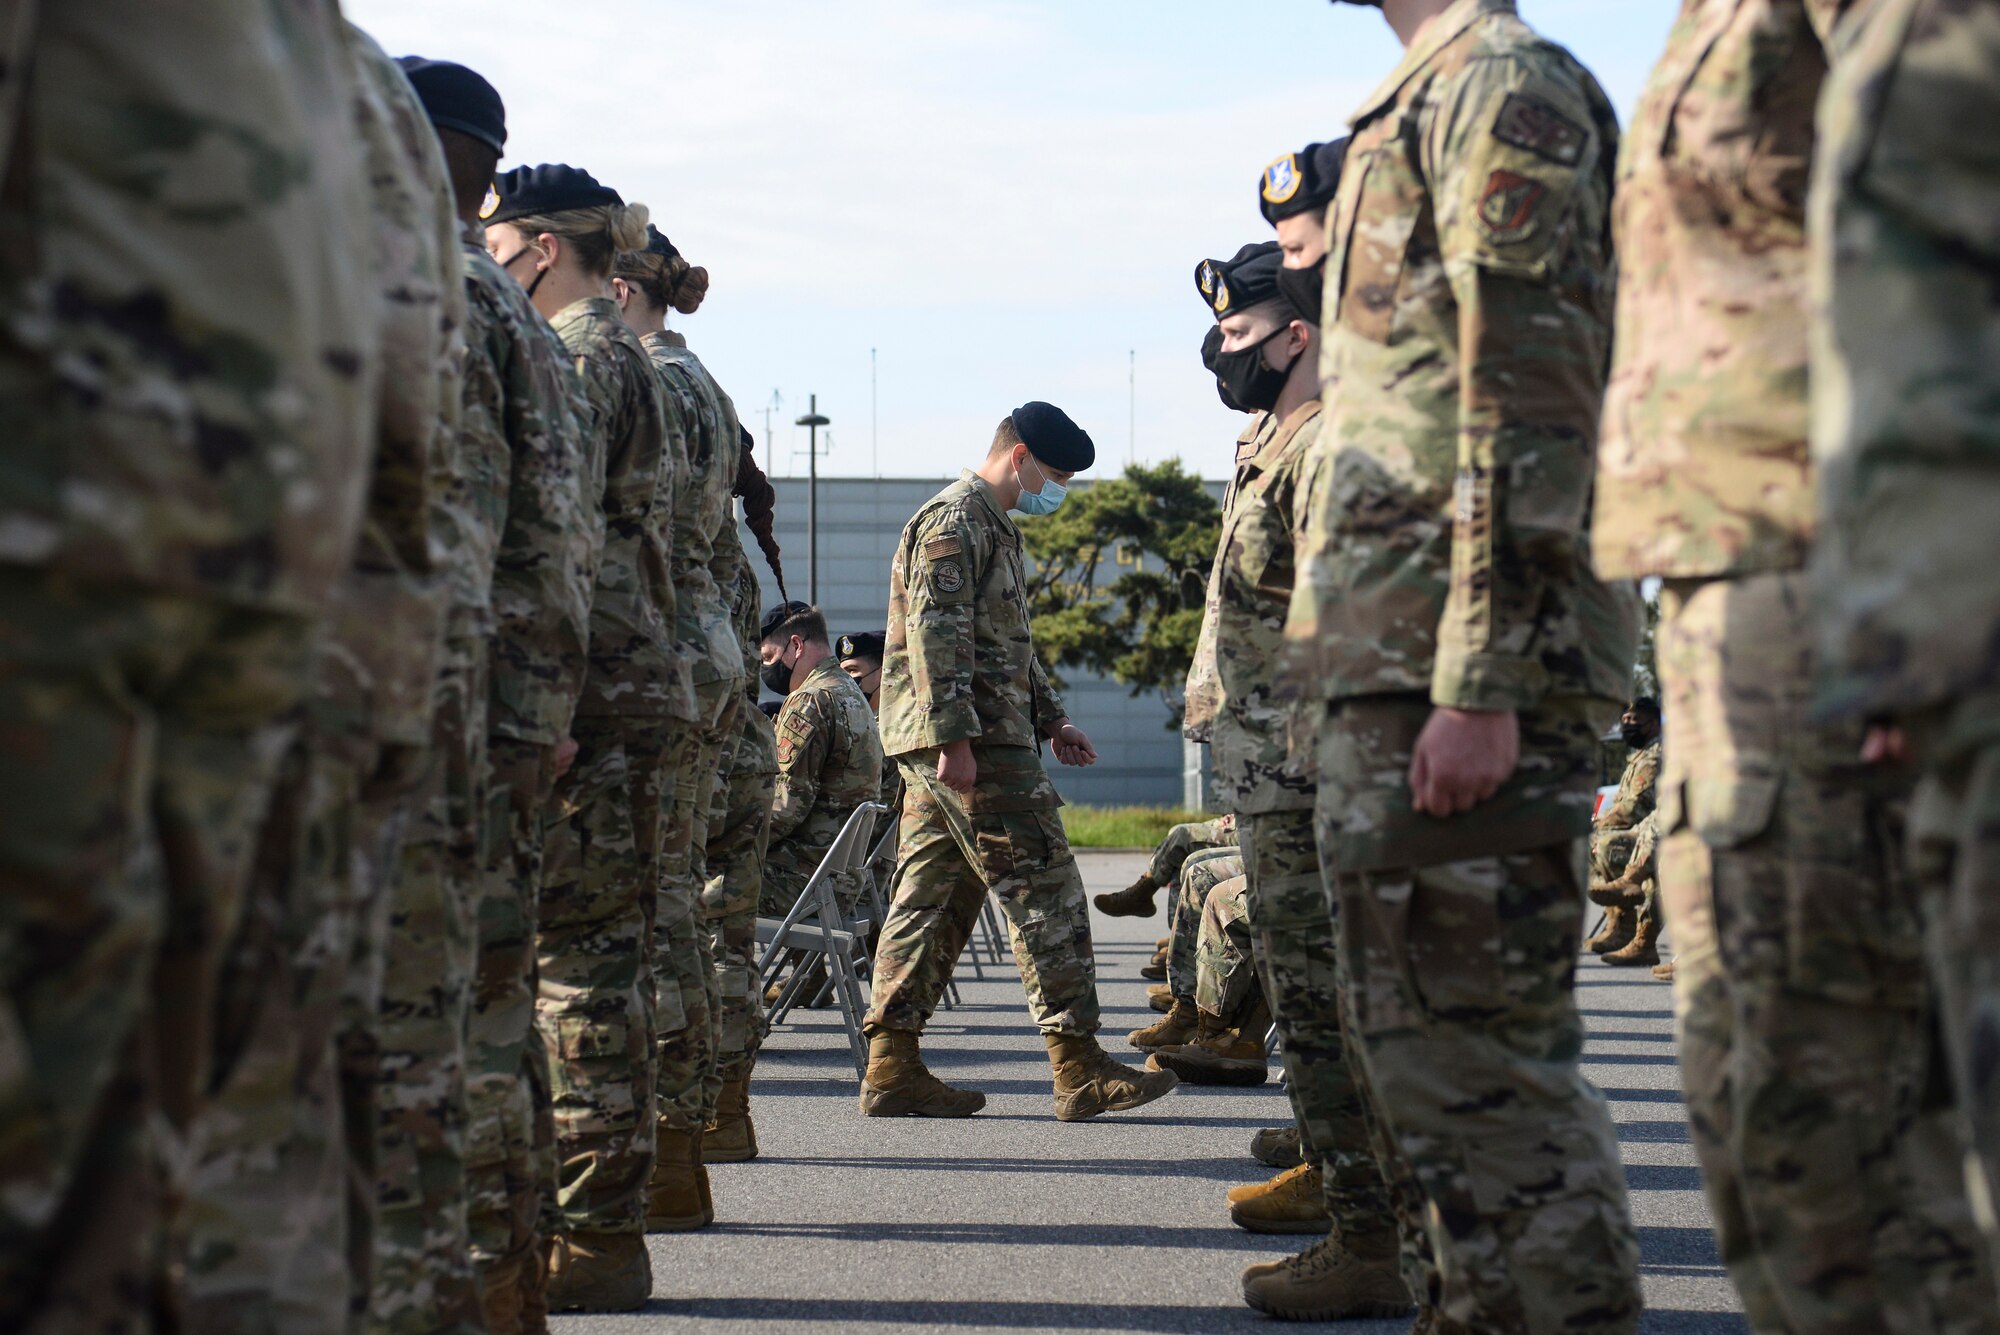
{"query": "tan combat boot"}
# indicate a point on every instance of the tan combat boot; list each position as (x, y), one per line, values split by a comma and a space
(1134, 901)
(599, 1272)
(1619, 924)
(1222, 1054)
(1664, 972)
(1181, 1025)
(1331, 1281)
(1618, 894)
(1088, 1082)
(732, 1136)
(1292, 1202)
(898, 1085)
(1276, 1147)
(677, 1198)
(1643, 948)
(1160, 997)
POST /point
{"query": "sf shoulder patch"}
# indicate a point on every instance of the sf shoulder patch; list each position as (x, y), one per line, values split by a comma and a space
(1532, 124)
(1507, 209)
(948, 576)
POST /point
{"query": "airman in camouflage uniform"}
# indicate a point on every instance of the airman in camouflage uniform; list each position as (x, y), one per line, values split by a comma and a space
(601, 861)
(1631, 919)
(1801, 1000)
(189, 371)
(738, 836)
(829, 764)
(1469, 660)
(965, 708)
(703, 417)
(1164, 870)
(282, 1141)
(1906, 445)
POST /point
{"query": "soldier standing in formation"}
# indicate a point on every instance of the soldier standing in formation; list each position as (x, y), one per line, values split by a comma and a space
(966, 707)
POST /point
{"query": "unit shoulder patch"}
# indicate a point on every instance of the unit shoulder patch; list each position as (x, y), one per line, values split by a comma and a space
(1533, 125)
(949, 576)
(1507, 207)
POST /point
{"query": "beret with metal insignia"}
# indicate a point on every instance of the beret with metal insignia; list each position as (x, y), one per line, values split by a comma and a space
(456, 98)
(1249, 279)
(866, 644)
(553, 187)
(1053, 438)
(1302, 181)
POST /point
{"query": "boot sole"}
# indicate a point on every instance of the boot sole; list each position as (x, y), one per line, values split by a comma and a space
(682, 1223)
(728, 1156)
(573, 1305)
(902, 1105)
(1252, 1224)
(1144, 1097)
(1230, 1073)
(1156, 1046)
(1346, 1312)
(1153, 975)
(1647, 960)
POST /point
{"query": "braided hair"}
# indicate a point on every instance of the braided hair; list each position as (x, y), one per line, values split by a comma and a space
(760, 507)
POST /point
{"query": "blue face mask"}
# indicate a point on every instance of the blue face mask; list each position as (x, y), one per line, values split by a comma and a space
(1045, 501)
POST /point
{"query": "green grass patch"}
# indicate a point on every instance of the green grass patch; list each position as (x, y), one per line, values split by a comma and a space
(1123, 827)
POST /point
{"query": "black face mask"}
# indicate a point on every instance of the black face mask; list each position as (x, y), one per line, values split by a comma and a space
(778, 676)
(1211, 347)
(1252, 381)
(540, 274)
(1638, 736)
(1304, 289)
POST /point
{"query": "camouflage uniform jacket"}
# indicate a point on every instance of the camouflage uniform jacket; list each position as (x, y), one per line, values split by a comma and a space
(960, 663)
(636, 667)
(1203, 693)
(829, 763)
(1637, 791)
(1467, 328)
(1703, 467)
(1905, 424)
(189, 341)
(709, 426)
(526, 464)
(1253, 772)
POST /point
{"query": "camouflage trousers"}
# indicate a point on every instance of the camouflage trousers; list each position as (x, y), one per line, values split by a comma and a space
(683, 957)
(1954, 844)
(1199, 875)
(508, 1152)
(736, 836)
(1800, 998)
(948, 860)
(1458, 982)
(1295, 936)
(144, 737)
(1225, 976)
(600, 883)
(423, 1279)
(1183, 842)
(1610, 855)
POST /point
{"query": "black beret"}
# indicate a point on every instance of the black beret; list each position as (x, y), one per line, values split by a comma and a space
(869, 644)
(1250, 279)
(1302, 181)
(457, 98)
(779, 615)
(552, 187)
(657, 243)
(1052, 438)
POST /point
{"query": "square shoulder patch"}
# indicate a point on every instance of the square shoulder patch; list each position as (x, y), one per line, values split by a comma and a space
(943, 545)
(1532, 124)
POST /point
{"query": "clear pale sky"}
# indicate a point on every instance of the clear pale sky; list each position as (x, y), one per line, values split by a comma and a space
(1004, 199)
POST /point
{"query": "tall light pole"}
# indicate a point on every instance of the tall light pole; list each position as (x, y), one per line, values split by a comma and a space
(813, 421)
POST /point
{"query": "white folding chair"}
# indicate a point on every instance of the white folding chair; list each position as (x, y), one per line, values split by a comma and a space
(816, 928)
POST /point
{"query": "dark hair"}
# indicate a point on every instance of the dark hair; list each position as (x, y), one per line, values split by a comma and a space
(760, 507)
(1647, 705)
(669, 282)
(789, 619)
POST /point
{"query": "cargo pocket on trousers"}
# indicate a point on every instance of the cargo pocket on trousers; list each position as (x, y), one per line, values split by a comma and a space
(587, 1038)
(1009, 845)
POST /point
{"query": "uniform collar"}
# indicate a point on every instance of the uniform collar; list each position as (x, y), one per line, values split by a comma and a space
(984, 491)
(1276, 435)
(593, 309)
(830, 663)
(1444, 29)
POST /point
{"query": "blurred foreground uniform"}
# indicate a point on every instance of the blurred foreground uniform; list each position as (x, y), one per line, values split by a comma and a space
(1906, 438)
(1466, 327)
(1802, 1006)
(829, 763)
(187, 380)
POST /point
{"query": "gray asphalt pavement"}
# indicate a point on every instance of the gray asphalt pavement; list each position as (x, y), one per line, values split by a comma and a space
(1012, 1221)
